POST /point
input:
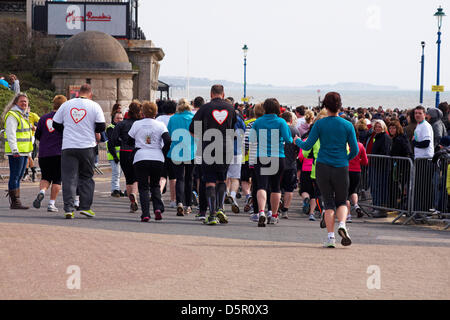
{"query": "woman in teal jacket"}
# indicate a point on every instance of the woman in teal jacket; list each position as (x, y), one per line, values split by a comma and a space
(182, 153)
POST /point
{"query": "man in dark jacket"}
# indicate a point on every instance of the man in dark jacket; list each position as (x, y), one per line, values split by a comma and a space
(434, 117)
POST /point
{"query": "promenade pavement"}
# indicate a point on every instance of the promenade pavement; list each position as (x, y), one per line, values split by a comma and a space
(115, 256)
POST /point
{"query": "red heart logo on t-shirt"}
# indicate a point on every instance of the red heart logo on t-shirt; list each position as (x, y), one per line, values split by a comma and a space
(49, 124)
(220, 116)
(77, 114)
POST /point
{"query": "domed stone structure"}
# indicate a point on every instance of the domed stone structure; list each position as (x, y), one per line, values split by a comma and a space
(98, 59)
(93, 50)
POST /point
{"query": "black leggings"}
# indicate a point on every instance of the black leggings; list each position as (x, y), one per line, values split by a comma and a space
(126, 163)
(184, 175)
(333, 184)
(146, 169)
(270, 174)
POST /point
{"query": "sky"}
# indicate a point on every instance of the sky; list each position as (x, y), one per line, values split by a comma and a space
(299, 42)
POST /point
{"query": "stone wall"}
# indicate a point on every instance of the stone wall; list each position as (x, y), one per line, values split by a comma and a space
(107, 89)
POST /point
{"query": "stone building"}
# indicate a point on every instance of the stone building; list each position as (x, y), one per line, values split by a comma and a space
(104, 62)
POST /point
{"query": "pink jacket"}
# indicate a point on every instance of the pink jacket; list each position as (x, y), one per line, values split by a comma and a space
(306, 163)
(355, 164)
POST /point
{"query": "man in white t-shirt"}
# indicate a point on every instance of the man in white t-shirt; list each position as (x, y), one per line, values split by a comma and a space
(423, 135)
(79, 120)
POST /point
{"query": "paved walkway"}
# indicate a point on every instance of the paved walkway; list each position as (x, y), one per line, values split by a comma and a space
(117, 257)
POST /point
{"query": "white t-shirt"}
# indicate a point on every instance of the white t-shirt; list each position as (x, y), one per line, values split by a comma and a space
(79, 116)
(148, 136)
(423, 132)
(164, 119)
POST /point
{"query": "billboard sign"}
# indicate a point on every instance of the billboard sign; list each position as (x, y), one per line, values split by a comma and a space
(69, 18)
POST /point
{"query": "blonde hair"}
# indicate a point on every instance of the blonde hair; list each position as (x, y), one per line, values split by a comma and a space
(12, 103)
(183, 105)
(322, 114)
(382, 124)
(361, 124)
(309, 116)
(294, 118)
(259, 110)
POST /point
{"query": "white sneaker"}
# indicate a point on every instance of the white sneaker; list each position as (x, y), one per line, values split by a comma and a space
(172, 204)
(254, 217)
(52, 208)
(261, 219)
(271, 219)
(330, 243)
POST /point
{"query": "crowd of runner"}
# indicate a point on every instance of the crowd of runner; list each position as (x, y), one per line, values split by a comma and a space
(206, 155)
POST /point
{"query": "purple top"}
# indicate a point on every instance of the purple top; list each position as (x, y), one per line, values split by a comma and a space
(50, 140)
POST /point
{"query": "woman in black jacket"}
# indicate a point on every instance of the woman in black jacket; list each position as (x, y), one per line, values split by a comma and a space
(119, 137)
(400, 175)
(400, 144)
(378, 173)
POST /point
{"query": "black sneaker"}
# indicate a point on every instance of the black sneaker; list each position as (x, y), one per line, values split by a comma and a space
(359, 212)
(115, 194)
(38, 200)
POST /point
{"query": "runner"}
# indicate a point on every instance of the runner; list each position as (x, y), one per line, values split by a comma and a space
(79, 119)
(50, 145)
(182, 154)
(119, 137)
(332, 164)
(215, 118)
(151, 141)
(114, 158)
(270, 158)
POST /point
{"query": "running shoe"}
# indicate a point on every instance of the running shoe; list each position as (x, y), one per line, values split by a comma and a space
(238, 195)
(312, 218)
(359, 211)
(234, 207)
(211, 220)
(349, 218)
(180, 210)
(187, 210)
(272, 219)
(172, 204)
(330, 243)
(145, 219)
(323, 225)
(254, 217)
(37, 201)
(306, 206)
(261, 219)
(52, 208)
(88, 213)
(201, 216)
(158, 215)
(248, 204)
(284, 215)
(343, 232)
(228, 199)
(69, 215)
(221, 216)
(194, 198)
(115, 194)
(133, 205)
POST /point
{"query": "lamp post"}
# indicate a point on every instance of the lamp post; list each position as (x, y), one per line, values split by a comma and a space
(422, 62)
(245, 49)
(439, 15)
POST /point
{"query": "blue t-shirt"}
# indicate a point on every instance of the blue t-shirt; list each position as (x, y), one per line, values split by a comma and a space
(334, 134)
(266, 127)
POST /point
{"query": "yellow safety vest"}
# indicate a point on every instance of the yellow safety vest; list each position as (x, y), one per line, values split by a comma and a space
(108, 154)
(23, 134)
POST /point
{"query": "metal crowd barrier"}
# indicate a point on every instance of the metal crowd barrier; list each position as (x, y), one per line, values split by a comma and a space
(389, 181)
(417, 189)
(430, 193)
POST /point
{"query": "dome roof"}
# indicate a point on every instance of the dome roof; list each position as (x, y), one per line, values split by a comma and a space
(92, 50)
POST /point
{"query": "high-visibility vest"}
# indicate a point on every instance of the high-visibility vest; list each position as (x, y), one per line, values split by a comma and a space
(108, 154)
(23, 133)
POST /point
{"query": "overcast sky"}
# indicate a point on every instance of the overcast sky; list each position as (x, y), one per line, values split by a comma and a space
(299, 42)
